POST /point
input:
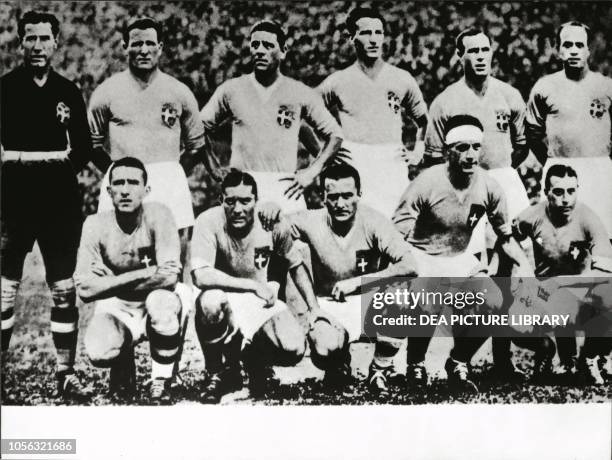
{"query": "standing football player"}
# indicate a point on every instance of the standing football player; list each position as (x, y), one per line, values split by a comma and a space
(568, 239)
(372, 101)
(568, 120)
(266, 109)
(231, 257)
(145, 113)
(501, 110)
(437, 215)
(45, 141)
(129, 264)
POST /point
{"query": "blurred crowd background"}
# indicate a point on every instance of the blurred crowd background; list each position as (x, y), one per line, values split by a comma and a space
(206, 43)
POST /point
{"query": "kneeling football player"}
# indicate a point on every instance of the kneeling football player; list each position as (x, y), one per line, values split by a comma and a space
(231, 254)
(128, 264)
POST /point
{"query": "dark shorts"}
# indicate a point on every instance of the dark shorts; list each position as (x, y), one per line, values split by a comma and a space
(40, 202)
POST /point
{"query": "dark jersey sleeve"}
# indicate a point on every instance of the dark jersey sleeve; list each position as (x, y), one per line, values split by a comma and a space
(81, 151)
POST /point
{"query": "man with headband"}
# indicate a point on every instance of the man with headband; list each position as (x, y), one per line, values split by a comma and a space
(437, 215)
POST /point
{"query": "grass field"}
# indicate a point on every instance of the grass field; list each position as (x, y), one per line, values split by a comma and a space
(27, 369)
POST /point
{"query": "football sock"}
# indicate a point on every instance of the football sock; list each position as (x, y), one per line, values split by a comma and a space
(64, 323)
(9, 294)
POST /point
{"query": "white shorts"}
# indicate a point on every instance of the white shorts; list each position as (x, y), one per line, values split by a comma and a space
(133, 314)
(383, 173)
(347, 313)
(168, 186)
(517, 201)
(248, 310)
(595, 184)
(462, 265)
(271, 188)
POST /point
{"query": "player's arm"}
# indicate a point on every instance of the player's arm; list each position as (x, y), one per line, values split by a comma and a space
(326, 127)
(98, 117)
(330, 98)
(416, 110)
(192, 132)
(535, 124)
(410, 207)
(93, 279)
(517, 129)
(601, 249)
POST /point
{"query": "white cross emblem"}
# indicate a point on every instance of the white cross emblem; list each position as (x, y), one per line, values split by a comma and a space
(473, 219)
(145, 260)
(362, 264)
(260, 260)
(575, 253)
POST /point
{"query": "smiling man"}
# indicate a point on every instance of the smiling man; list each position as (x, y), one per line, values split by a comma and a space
(373, 100)
(266, 109)
(128, 265)
(145, 113)
(568, 120)
(45, 142)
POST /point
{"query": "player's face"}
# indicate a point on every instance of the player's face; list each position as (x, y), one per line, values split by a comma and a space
(341, 198)
(127, 189)
(369, 38)
(239, 205)
(143, 49)
(38, 45)
(562, 195)
(464, 155)
(573, 47)
(266, 52)
(477, 56)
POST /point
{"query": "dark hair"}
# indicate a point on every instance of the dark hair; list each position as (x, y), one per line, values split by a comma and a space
(559, 170)
(462, 120)
(236, 177)
(472, 31)
(586, 28)
(340, 171)
(129, 162)
(273, 27)
(142, 24)
(357, 13)
(35, 17)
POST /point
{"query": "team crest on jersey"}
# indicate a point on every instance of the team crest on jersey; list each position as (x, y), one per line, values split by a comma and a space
(543, 293)
(262, 257)
(598, 109)
(146, 256)
(578, 251)
(365, 261)
(394, 101)
(502, 119)
(169, 114)
(62, 111)
(285, 116)
(476, 212)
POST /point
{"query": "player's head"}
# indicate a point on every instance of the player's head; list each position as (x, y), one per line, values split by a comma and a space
(239, 191)
(367, 29)
(463, 143)
(573, 43)
(561, 188)
(38, 36)
(267, 45)
(341, 191)
(142, 40)
(473, 47)
(127, 184)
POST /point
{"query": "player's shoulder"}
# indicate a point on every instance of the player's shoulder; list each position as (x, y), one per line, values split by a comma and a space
(506, 88)
(307, 218)
(588, 217)
(156, 212)
(111, 84)
(211, 218)
(174, 84)
(370, 216)
(432, 174)
(452, 92)
(533, 213)
(490, 183)
(397, 72)
(99, 222)
(549, 82)
(297, 87)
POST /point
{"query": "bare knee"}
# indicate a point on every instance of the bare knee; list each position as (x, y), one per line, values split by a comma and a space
(327, 339)
(211, 306)
(163, 308)
(103, 345)
(287, 337)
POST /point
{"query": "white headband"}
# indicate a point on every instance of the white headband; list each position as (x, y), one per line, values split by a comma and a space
(462, 133)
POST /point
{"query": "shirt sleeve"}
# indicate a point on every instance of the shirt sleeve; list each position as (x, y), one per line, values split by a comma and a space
(192, 131)
(317, 116)
(537, 111)
(284, 245)
(497, 209)
(78, 132)
(410, 206)
(601, 246)
(203, 242)
(99, 115)
(167, 242)
(413, 100)
(89, 255)
(391, 243)
(434, 135)
(330, 98)
(521, 226)
(517, 118)
(296, 223)
(217, 109)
